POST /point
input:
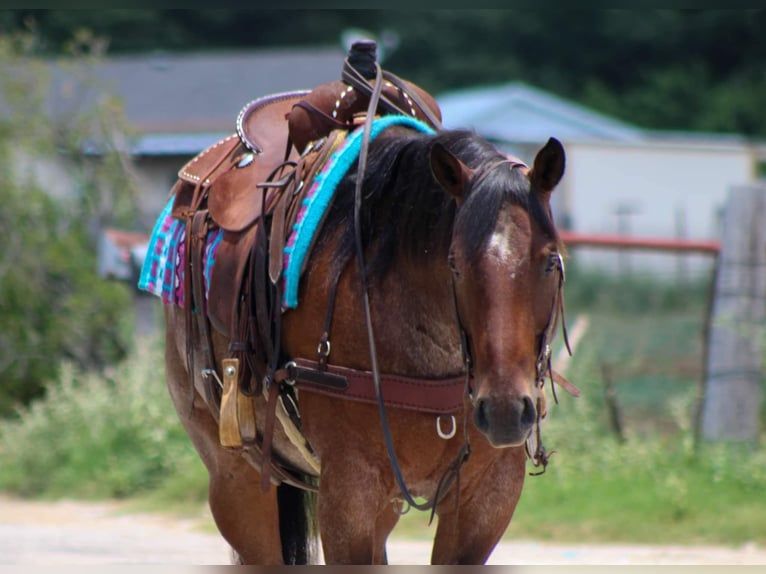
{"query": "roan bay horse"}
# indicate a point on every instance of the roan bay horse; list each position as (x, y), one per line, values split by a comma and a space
(460, 275)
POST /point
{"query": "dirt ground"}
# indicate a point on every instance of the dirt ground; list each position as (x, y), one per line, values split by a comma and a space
(75, 533)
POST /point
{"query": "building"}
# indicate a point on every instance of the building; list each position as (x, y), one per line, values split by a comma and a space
(175, 105)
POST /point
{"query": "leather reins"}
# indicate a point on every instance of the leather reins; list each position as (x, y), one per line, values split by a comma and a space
(452, 472)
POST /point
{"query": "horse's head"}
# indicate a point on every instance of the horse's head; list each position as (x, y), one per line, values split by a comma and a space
(507, 270)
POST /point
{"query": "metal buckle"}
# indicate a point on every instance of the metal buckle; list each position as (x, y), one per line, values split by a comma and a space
(323, 348)
(290, 367)
(211, 373)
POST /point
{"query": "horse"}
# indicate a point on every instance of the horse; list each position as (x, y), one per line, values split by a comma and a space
(459, 275)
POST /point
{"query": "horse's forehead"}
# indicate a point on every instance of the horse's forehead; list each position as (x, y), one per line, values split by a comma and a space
(510, 238)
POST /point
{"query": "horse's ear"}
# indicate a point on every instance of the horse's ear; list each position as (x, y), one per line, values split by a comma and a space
(549, 166)
(451, 173)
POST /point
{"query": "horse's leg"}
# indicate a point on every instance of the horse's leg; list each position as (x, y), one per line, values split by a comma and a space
(246, 516)
(348, 506)
(468, 534)
(385, 523)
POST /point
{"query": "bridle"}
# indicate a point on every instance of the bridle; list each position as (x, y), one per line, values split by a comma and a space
(543, 364)
(543, 368)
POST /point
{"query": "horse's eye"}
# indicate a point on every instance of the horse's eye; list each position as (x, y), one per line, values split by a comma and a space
(452, 264)
(554, 260)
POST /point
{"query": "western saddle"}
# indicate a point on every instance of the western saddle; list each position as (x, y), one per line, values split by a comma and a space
(250, 185)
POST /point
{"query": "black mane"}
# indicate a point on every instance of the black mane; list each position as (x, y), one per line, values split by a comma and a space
(405, 213)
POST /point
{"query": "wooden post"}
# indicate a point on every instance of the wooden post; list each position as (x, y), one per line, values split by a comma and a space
(734, 372)
(612, 405)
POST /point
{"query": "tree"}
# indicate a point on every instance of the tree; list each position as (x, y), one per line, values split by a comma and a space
(52, 304)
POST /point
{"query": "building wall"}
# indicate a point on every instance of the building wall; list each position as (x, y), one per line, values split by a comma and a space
(156, 175)
(655, 181)
(665, 190)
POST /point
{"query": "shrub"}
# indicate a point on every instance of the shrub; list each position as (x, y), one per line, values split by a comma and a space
(97, 436)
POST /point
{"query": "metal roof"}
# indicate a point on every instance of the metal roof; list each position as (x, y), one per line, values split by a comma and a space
(518, 112)
(178, 102)
(176, 144)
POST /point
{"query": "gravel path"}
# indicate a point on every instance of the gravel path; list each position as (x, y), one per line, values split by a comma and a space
(76, 533)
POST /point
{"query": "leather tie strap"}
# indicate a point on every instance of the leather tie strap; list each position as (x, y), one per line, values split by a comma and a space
(198, 233)
(268, 436)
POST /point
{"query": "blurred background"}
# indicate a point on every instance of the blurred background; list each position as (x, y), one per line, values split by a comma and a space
(663, 206)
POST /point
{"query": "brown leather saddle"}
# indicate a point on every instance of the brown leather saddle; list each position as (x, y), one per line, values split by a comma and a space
(232, 182)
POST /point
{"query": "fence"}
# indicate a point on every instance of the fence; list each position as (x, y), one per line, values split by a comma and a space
(735, 326)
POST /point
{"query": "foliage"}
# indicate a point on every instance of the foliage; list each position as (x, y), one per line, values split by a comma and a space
(674, 69)
(635, 293)
(53, 306)
(100, 436)
(658, 486)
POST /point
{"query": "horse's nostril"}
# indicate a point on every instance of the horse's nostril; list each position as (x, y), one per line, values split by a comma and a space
(528, 413)
(480, 416)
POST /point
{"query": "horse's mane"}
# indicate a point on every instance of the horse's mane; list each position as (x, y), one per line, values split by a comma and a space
(405, 213)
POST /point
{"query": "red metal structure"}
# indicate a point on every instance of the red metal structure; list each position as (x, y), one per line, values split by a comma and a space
(573, 239)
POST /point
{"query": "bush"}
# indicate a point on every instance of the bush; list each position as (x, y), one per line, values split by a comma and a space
(99, 437)
(53, 306)
(633, 294)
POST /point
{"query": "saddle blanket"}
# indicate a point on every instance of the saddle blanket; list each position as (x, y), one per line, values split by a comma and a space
(162, 272)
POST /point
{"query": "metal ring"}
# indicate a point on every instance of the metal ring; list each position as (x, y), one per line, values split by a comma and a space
(561, 267)
(323, 348)
(403, 506)
(441, 433)
(212, 373)
(290, 365)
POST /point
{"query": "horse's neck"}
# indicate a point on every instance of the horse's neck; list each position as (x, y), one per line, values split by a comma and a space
(415, 321)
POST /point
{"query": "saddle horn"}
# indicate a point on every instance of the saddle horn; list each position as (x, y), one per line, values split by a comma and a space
(336, 105)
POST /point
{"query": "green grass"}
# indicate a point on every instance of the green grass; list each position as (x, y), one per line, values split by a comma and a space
(650, 493)
(116, 435)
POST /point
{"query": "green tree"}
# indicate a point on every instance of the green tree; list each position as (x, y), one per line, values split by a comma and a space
(52, 304)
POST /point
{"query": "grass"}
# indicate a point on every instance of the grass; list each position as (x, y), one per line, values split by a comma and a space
(650, 493)
(116, 435)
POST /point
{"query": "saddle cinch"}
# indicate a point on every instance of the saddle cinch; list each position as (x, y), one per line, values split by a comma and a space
(249, 185)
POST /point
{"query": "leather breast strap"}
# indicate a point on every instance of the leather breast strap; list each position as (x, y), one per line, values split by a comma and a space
(436, 396)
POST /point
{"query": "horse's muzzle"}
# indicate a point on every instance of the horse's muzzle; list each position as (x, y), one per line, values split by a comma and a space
(505, 421)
